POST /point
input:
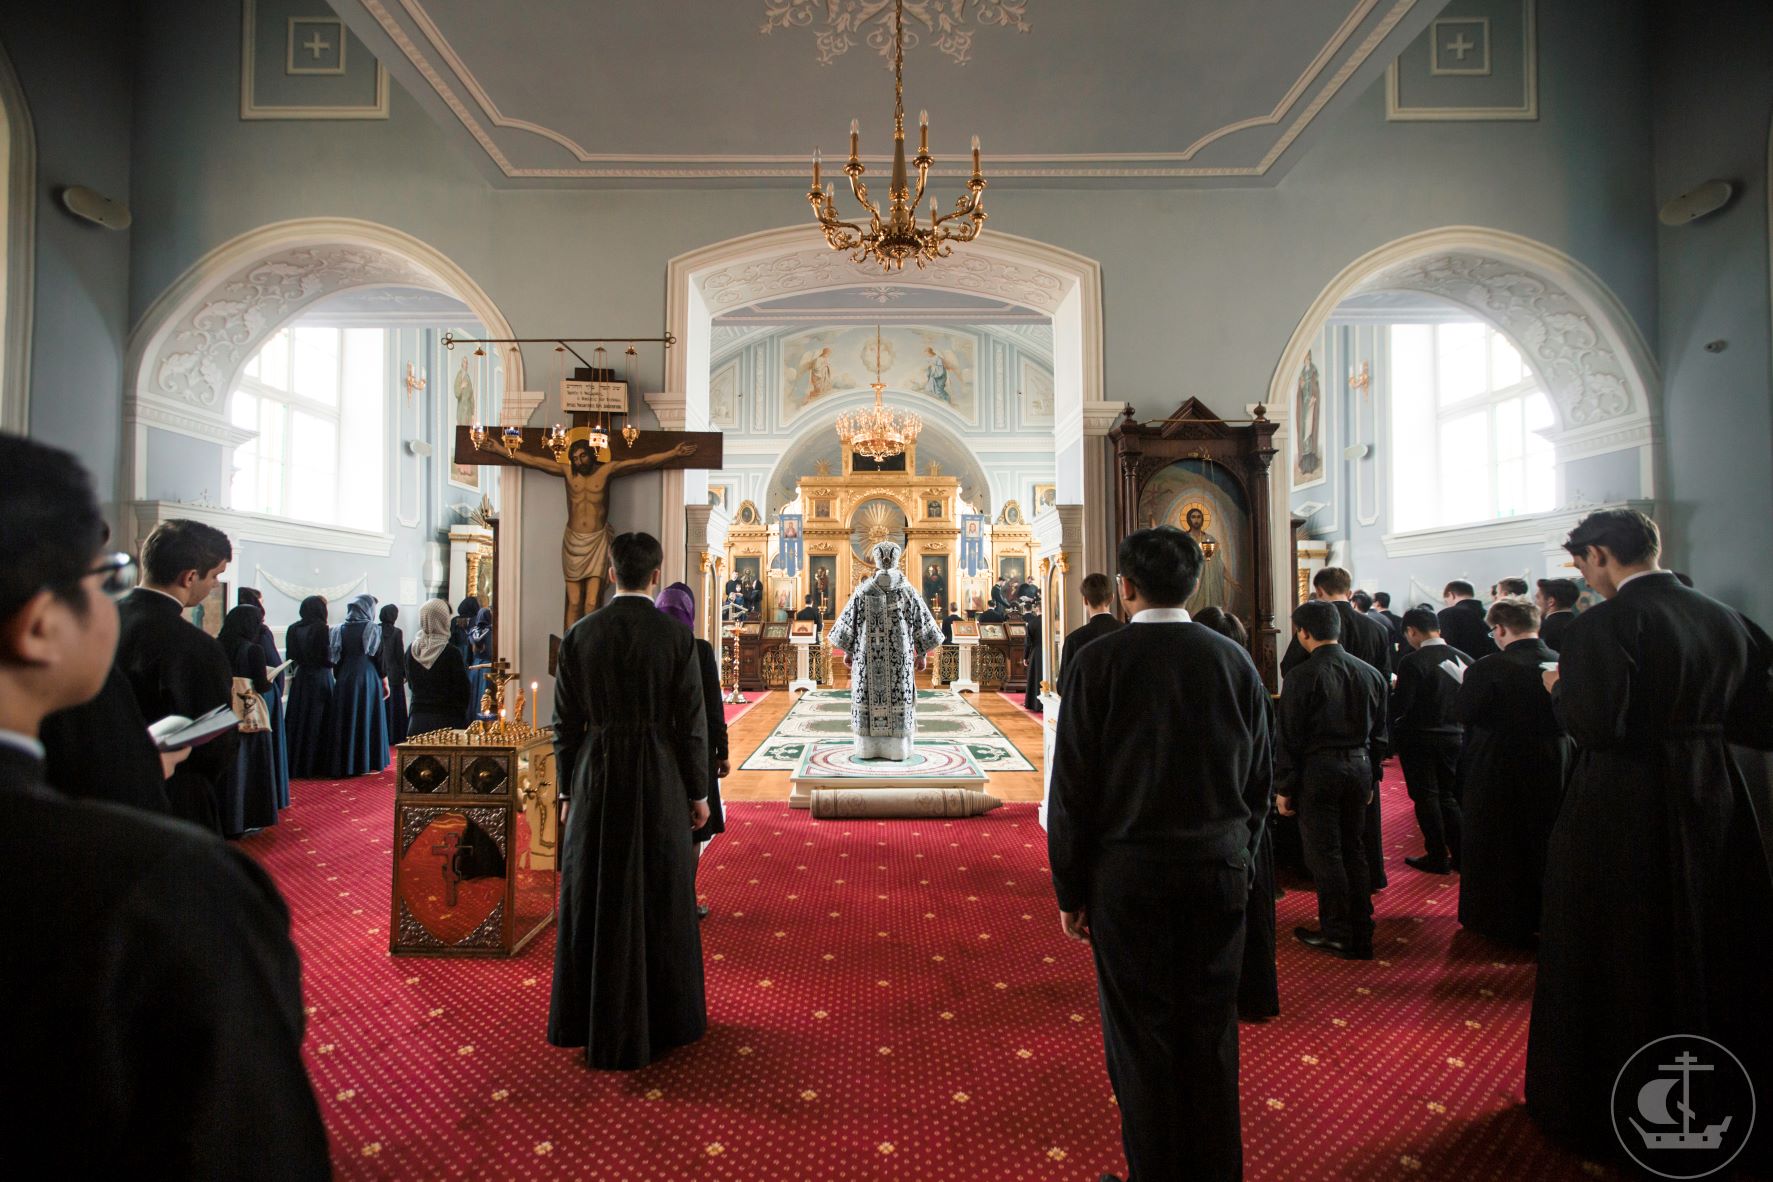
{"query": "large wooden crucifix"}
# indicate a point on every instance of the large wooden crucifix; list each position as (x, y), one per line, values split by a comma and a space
(585, 547)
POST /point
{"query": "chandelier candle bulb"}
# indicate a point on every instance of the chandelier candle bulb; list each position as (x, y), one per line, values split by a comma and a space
(855, 141)
(815, 168)
(532, 704)
(923, 132)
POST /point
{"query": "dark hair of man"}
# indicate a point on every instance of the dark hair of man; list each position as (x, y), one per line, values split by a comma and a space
(1511, 586)
(1562, 592)
(51, 531)
(635, 556)
(1383, 599)
(809, 601)
(1362, 601)
(249, 597)
(1460, 588)
(1224, 623)
(179, 545)
(1097, 590)
(1627, 534)
(1333, 580)
(1517, 615)
(1163, 565)
(1318, 619)
(1423, 620)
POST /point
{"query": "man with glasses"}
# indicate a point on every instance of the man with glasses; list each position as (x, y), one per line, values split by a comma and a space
(175, 667)
(152, 994)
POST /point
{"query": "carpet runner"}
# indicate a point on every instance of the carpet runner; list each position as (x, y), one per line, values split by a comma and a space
(941, 716)
(887, 1001)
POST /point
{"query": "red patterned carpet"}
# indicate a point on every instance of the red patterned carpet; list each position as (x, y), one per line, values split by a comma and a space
(888, 1001)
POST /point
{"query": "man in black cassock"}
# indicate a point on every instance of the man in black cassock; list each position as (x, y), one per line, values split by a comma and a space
(1427, 737)
(1382, 609)
(1516, 760)
(1331, 721)
(1031, 655)
(1098, 597)
(175, 667)
(811, 612)
(1161, 780)
(1658, 906)
(153, 997)
(631, 742)
(1462, 621)
(1556, 600)
(1367, 640)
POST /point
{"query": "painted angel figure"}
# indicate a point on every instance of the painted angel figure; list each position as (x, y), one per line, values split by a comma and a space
(886, 632)
(936, 369)
(817, 368)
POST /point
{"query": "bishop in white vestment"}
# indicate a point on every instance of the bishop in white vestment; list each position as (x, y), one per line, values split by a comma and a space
(885, 632)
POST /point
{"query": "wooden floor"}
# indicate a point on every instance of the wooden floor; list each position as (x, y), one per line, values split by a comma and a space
(745, 735)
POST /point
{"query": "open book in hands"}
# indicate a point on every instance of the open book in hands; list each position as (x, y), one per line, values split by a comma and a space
(175, 732)
(1454, 670)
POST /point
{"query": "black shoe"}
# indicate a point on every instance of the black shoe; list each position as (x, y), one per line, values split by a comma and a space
(1109, 1178)
(702, 911)
(1429, 865)
(1313, 938)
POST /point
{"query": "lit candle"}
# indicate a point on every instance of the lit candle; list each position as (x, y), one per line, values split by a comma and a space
(532, 705)
(815, 168)
(975, 155)
(855, 140)
(923, 131)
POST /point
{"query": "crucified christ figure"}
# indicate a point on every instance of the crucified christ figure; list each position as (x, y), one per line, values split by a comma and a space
(584, 549)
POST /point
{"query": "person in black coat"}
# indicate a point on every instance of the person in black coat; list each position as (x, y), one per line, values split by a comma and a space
(1367, 640)
(258, 779)
(1462, 621)
(1427, 736)
(1098, 597)
(1363, 603)
(679, 602)
(1152, 830)
(358, 734)
(275, 698)
(1382, 610)
(392, 662)
(1658, 905)
(1556, 600)
(1517, 757)
(1031, 657)
(152, 990)
(1331, 722)
(101, 750)
(307, 719)
(441, 696)
(172, 666)
(811, 612)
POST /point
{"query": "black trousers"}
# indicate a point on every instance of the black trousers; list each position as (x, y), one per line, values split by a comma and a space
(1332, 807)
(1168, 939)
(1431, 772)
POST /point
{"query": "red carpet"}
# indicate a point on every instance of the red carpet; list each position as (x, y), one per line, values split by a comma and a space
(734, 713)
(888, 1001)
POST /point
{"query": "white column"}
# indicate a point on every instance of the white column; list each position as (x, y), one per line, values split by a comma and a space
(672, 411)
(1099, 491)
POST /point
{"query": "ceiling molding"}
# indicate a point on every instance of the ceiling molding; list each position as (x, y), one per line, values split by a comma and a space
(417, 37)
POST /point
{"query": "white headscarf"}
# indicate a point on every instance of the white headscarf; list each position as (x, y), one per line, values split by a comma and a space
(433, 637)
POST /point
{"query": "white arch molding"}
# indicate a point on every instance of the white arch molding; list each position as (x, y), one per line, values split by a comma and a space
(1569, 326)
(1066, 286)
(189, 348)
(18, 223)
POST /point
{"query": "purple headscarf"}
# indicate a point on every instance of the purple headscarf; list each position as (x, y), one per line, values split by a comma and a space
(678, 602)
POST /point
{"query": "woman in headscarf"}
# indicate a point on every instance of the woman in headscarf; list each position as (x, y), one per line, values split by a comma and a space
(257, 780)
(359, 720)
(392, 663)
(480, 646)
(437, 674)
(889, 626)
(679, 602)
(307, 723)
(250, 597)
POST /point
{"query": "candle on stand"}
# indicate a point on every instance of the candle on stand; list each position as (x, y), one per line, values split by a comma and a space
(923, 134)
(975, 156)
(532, 705)
(855, 140)
(815, 168)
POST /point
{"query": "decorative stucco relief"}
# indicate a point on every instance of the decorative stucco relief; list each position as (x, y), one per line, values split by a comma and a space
(197, 359)
(817, 269)
(1549, 324)
(840, 24)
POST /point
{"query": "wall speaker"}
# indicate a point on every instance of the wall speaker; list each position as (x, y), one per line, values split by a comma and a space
(1696, 203)
(96, 208)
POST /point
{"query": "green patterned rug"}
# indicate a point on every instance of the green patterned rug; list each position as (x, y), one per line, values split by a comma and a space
(941, 717)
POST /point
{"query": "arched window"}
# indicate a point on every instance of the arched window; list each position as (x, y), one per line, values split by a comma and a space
(1466, 413)
(317, 396)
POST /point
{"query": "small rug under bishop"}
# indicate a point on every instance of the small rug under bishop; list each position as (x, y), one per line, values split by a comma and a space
(902, 802)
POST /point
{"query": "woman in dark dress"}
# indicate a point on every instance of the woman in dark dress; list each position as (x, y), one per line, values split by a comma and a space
(679, 602)
(359, 720)
(437, 674)
(466, 613)
(250, 597)
(1511, 776)
(1258, 989)
(393, 666)
(307, 721)
(250, 792)
(480, 653)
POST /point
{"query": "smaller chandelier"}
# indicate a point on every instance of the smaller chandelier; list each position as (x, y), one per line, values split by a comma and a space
(897, 237)
(878, 432)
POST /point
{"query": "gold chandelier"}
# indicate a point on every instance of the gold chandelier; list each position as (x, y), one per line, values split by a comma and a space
(880, 431)
(898, 237)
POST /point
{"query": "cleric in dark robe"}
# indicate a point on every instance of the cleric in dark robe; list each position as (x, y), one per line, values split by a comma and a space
(1098, 597)
(1658, 911)
(1161, 777)
(631, 741)
(1513, 770)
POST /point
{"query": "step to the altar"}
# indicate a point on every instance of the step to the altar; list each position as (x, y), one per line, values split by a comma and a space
(832, 764)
